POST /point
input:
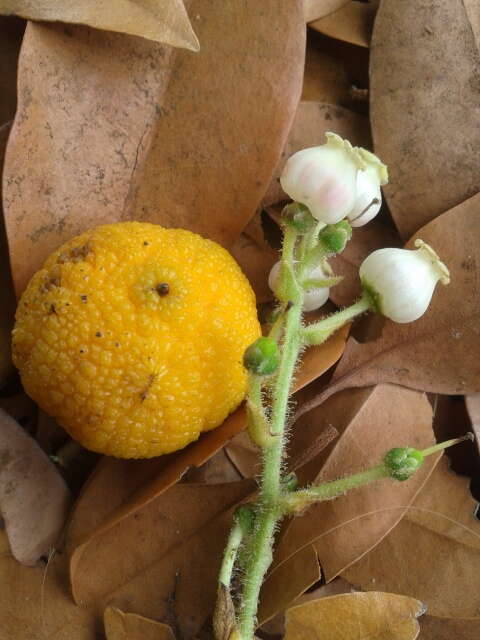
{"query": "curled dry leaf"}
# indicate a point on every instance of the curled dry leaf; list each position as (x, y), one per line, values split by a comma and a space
(119, 128)
(312, 121)
(315, 9)
(223, 621)
(438, 352)
(425, 115)
(448, 628)
(7, 298)
(129, 626)
(162, 562)
(34, 500)
(355, 616)
(36, 604)
(352, 23)
(370, 421)
(165, 22)
(433, 553)
(473, 408)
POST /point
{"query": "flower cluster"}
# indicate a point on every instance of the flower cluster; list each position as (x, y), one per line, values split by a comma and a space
(338, 183)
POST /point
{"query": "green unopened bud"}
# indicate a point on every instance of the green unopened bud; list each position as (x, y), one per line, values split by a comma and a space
(262, 357)
(334, 237)
(402, 462)
(298, 216)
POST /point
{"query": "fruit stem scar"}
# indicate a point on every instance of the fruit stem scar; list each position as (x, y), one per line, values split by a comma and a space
(162, 289)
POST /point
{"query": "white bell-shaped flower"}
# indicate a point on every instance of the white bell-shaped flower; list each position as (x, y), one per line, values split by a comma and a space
(400, 282)
(326, 180)
(313, 298)
(323, 178)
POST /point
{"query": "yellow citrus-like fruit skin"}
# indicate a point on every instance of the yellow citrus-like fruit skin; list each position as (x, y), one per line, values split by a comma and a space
(132, 337)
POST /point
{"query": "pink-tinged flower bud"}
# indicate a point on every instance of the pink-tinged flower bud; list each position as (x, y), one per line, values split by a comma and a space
(400, 282)
(313, 298)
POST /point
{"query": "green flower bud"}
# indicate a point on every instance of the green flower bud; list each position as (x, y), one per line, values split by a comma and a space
(262, 357)
(334, 237)
(402, 462)
(298, 216)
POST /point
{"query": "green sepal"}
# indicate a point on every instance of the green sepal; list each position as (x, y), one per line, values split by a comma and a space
(334, 237)
(298, 216)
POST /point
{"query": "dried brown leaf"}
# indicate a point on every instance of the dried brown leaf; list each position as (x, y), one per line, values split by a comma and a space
(425, 107)
(449, 628)
(315, 9)
(129, 626)
(276, 626)
(355, 616)
(352, 23)
(7, 298)
(165, 21)
(439, 352)
(36, 604)
(473, 15)
(118, 128)
(311, 122)
(433, 553)
(119, 488)
(215, 470)
(162, 562)
(292, 579)
(34, 500)
(370, 422)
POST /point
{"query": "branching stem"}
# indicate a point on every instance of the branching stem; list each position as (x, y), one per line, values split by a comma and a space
(277, 496)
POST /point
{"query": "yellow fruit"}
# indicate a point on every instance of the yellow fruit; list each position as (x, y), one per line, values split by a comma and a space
(132, 337)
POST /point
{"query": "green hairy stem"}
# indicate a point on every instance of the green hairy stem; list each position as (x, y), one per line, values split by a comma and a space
(267, 411)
